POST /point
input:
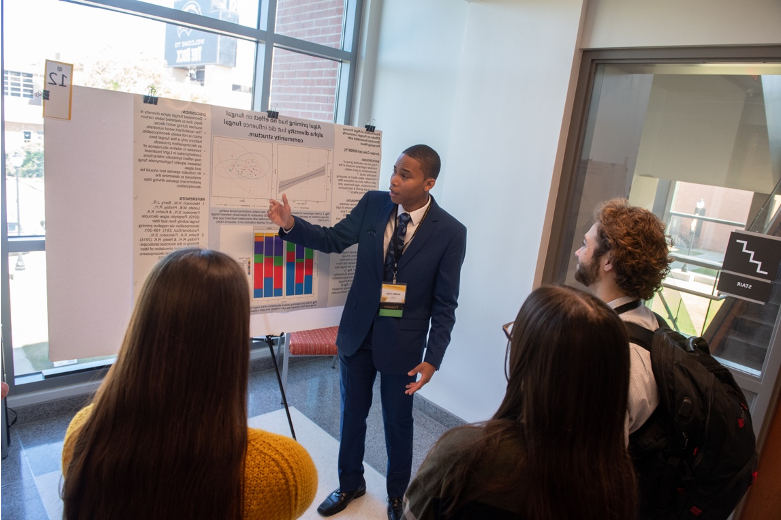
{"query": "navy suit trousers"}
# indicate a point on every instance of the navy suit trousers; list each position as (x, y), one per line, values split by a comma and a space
(357, 381)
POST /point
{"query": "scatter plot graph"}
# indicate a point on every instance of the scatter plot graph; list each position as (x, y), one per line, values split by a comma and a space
(304, 173)
(281, 268)
(241, 168)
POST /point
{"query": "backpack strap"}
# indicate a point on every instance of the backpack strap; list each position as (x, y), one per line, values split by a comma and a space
(639, 335)
(668, 478)
(662, 322)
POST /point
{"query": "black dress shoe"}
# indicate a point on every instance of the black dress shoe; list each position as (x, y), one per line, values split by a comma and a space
(338, 500)
(395, 508)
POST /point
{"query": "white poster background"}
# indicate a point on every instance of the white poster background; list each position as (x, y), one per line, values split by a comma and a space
(89, 224)
(97, 196)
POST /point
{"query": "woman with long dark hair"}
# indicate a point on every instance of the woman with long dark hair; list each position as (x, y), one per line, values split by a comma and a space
(555, 449)
(166, 435)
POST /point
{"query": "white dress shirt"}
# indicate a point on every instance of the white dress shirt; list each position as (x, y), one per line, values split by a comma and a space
(643, 392)
(415, 219)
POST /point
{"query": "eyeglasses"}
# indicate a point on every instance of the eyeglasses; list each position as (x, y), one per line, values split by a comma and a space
(508, 330)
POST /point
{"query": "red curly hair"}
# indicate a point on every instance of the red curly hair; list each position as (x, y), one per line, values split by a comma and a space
(636, 240)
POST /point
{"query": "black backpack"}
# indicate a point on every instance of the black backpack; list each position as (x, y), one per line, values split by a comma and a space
(695, 456)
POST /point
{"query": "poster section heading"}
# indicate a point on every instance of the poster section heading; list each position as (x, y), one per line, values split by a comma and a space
(204, 176)
(260, 126)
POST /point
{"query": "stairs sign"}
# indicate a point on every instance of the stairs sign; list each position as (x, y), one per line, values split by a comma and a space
(750, 266)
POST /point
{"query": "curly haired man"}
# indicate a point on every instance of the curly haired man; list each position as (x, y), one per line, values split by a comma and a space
(623, 260)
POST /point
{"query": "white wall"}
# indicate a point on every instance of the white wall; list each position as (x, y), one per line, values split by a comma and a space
(490, 85)
(672, 23)
(419, 44)
(485, 84)
(511, 99)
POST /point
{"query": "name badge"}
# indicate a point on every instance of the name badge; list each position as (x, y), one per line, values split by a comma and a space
(392, 299)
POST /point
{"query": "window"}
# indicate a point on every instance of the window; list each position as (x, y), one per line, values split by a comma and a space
(693, 141)
(317, 21)
(304, 86)
(17, 84)
(696, 149)
(247, 54)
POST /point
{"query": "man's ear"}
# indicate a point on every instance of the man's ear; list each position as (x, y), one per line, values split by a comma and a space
(607, 262)
(429, 183)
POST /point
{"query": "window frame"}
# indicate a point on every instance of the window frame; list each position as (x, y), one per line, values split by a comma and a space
(266, 40)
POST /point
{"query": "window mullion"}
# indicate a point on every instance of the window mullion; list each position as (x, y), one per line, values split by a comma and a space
(268, 56)
(352, 35)
(177, 17)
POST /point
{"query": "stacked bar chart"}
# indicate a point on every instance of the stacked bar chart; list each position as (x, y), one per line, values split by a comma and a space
(299, 264)
(281, 268)
(269, 256)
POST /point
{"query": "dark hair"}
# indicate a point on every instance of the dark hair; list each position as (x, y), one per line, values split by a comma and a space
(566, 402)
(168, 432)
(640, 250)
(427, 157)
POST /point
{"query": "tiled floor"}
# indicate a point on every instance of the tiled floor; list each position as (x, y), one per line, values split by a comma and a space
(31, 471)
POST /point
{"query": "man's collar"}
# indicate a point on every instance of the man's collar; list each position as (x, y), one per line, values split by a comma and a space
(620, 301)
(416, 215)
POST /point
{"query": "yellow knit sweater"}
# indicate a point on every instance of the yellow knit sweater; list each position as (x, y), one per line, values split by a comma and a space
(281, 479)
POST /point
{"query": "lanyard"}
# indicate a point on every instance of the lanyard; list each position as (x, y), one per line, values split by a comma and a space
(628, 306)
(397, 253)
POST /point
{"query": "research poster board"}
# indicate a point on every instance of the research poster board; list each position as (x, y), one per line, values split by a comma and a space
(204, 176)
(201, 175)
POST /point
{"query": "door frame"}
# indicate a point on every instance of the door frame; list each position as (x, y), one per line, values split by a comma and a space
(768, 385)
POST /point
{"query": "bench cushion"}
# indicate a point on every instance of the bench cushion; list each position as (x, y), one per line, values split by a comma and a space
(314, 342)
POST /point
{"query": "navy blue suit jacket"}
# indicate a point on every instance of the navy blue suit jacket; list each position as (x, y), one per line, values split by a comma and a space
(430, 266)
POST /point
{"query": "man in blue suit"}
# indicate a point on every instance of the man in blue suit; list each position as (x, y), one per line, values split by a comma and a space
(407, 244)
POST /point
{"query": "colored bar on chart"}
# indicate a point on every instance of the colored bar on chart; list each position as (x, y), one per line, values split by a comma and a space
(268, 266)
(309, 264)
(279, 258)
(299, 269)
(257, 286)
(290, 268)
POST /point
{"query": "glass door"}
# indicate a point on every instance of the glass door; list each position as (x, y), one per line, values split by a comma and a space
(699, 144)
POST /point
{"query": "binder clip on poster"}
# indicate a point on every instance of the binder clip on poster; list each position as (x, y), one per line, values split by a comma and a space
(151, 98)
(273, 111)
(370, 126)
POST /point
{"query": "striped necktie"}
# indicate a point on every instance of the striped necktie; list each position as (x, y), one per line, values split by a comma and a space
(395, 247)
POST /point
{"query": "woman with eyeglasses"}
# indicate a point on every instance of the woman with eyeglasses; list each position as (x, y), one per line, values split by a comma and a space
(166, 435)
(555, 449)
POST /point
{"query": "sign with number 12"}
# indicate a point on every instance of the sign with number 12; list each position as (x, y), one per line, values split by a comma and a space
(58, 89)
